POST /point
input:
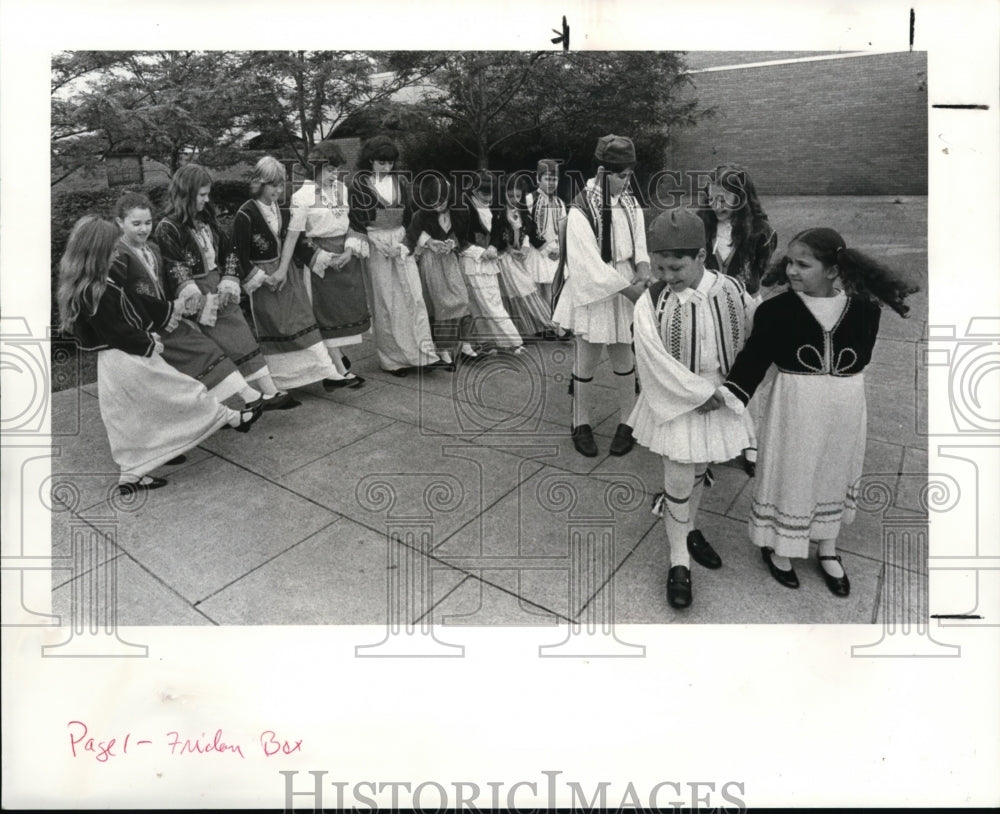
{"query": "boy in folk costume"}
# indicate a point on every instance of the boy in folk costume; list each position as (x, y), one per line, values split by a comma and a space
(605, 256)
(689, 327)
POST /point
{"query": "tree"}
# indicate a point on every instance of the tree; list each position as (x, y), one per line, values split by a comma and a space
(306, 95)
(497, 103)
(159, 104)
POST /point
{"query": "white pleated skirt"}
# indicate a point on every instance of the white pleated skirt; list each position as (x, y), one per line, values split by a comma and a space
(693, 437)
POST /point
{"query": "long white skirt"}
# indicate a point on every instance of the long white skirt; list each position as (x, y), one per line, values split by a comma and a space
(812, 452)
(399, 314)
(491, 324)
(693, 437)
(151, 411)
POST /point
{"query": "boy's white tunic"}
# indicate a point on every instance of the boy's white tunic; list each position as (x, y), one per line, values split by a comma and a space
(590, 304)
(665, 418)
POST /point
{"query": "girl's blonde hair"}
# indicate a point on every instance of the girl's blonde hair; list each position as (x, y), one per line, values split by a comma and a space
(83, 269)
(267, 171)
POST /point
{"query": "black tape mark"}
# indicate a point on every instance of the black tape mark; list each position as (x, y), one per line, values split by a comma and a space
(913, 26)
(955, 616)
(563, 37)
(962, 107)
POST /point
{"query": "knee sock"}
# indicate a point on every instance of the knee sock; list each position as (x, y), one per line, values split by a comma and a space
(580, 391)
(623, 364)
(696, 492)
(678, 480)
(587, 358)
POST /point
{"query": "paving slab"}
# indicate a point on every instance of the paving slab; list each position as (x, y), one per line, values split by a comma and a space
(550, 534)
(399, 476)
(516, 393)
(94, 542)
(903, 599)
(213, 524)
(912, 487)
(344, 574)
(479, 603)
(893, 415)
(425, 412)
(141, 599)
(284, 440)
(546, 442)
(742, 590)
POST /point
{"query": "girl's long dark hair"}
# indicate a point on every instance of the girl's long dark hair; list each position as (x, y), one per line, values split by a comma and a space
(748, 217)
(862, 276)
(182, 194)
(83, 269)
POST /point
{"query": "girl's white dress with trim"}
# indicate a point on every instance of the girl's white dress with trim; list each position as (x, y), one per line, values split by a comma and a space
(809, 419)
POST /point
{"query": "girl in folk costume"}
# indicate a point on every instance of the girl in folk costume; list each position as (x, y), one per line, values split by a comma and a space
(152, 412)
(739, 242)
(689, 327)
(819, 336)
(530, 313)
(336, 283)
(380, 208)
(481, 244)
(139, 265)
(605, 254)
(432, 236)
(282, 313)
(543, 217)
(200, 270)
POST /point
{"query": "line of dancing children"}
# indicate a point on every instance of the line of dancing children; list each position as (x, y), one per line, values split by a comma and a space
(687, 309)
(454, 279)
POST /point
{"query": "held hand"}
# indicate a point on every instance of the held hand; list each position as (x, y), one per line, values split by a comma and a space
(436, 246)
(554, 253)
(490, 253)
(195, 303)
(341, 260)
(714, 403)
(400, 251)
(278, 279)
(175, 316)
(157, 345)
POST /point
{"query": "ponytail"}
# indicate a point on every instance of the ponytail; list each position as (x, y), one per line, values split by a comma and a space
(866, 277)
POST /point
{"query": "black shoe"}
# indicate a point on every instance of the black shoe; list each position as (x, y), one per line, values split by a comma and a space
(839, 586)
(701, 551)
(282, 400)
(566, 337)
(336, 384)
(355, 382)
(750, 467)
(787, 578)
(679, 586)
(177, 460)
(248, 418)
(583, 440)
(401, 372)
(144, 484)
(623, 441)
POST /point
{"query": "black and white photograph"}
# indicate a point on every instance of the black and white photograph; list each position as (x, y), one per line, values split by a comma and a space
(558, 361)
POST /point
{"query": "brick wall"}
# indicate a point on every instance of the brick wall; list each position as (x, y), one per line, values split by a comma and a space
(853, 126)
